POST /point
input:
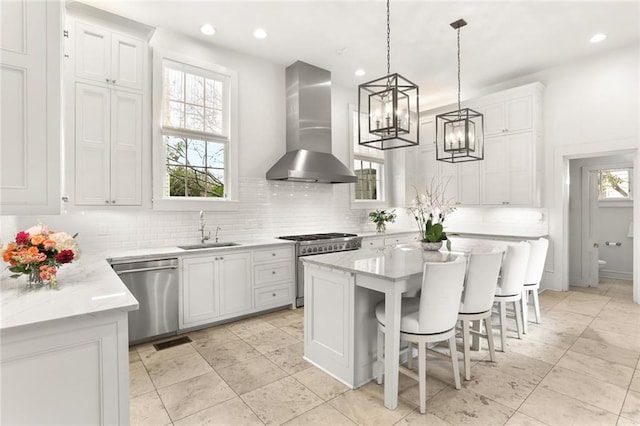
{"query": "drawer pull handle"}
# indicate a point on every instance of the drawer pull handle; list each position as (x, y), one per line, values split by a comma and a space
(273, 254)
(273, 272)
(273, 294)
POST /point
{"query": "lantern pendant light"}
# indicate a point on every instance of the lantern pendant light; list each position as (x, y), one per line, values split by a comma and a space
(388, 113)
(459, 134)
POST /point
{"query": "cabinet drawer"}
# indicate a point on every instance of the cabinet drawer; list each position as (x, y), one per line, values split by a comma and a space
(273, 255)
(273, 295)
(373, 243)
(400, 239)
(273, 272)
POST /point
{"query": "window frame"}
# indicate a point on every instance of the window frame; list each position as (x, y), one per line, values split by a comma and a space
(159, 149)
(362, 156)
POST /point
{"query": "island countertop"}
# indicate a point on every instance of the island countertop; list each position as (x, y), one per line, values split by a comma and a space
(391, 263)
(87, 287)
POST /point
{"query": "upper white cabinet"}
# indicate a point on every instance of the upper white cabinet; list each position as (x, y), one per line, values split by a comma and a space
(30, 106)
(513, 147)
(107, 113)
(104, 56)
(509, 175)
(108, 146)
(508, 115)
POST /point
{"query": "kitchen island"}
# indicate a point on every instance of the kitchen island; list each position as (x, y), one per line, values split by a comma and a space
(65, 353)
(342, 290)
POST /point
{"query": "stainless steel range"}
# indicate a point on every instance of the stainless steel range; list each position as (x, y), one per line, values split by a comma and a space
(307, 245)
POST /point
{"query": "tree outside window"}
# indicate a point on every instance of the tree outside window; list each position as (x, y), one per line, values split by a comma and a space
(615, 184)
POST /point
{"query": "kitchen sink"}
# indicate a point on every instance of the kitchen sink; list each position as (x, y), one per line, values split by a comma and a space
(207, 245)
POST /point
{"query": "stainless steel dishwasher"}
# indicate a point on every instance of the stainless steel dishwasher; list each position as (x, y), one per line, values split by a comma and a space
(154, 283)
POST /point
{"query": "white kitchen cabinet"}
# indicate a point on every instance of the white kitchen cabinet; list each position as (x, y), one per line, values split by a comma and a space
(108, 148)
(508, 115)
(508, 170)
(30, 107)
(274, 277)
(215, 287)
(234, 277)
(67, 371)
(387, 240)
(105, 56)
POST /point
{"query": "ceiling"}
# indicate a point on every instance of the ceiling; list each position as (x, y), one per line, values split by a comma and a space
(502, 41)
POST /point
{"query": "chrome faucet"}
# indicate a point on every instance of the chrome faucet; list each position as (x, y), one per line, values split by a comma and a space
(217, 229)
(203, 237)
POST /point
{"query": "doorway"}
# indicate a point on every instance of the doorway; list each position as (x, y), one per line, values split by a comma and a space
(600, 229)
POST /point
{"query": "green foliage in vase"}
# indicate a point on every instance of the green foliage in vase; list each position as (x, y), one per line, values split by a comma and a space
(380, 217)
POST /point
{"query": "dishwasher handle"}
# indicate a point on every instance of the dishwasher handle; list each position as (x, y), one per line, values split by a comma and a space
(154, 268)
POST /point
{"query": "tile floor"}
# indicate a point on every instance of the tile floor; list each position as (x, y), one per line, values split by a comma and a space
(580, 367)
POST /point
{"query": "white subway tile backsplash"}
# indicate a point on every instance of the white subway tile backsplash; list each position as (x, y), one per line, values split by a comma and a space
(267, 209)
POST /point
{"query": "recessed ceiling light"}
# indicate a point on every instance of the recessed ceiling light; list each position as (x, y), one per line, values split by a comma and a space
(360, 72)
(207, 29)
(260, 33)
(597, 38)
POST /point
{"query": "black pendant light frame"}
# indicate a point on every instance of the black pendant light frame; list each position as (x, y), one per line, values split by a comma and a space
(388, 109)
(460, 133)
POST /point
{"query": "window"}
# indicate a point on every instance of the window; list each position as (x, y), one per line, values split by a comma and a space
(614, 184)
(196, 163)
(368, 165)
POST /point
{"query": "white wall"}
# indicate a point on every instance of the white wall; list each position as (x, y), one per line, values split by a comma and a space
(612, 220)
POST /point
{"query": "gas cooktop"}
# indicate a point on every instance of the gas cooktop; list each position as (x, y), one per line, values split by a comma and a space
(316, 237)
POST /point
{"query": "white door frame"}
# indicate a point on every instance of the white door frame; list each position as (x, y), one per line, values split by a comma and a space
(559, 223)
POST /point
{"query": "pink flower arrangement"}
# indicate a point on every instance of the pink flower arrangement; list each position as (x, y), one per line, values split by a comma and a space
(38, 252)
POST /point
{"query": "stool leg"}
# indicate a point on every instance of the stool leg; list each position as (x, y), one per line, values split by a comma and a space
(454, 360)
(502, 308)
(489, 330)
(422, 375)
(536, 305)
(525, 310)
(467, 353)
(410, 357)
(516, 307)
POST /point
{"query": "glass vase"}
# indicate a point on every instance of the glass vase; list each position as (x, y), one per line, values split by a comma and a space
(34, 281)
(381, 227)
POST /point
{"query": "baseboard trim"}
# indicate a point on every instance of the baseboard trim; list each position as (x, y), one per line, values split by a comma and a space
(616, 275)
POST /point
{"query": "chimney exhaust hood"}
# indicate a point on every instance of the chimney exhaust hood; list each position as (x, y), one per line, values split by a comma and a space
(308, 157)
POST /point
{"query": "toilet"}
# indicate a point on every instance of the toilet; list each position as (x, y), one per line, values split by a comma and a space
(601, 264)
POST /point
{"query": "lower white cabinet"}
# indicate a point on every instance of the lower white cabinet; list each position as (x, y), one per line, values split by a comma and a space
(66, 372)
(228, 284)
(214, 287)
(389, 240)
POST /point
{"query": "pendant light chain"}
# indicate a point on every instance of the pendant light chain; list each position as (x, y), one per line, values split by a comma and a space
(388, 40)
(459, 107)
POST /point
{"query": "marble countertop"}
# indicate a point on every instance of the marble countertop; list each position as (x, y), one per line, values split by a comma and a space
(173, 251)
(87, 287)
(391, 263)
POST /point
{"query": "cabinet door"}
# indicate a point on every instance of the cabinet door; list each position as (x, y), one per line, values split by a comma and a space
(92, 153)
(519, 114)
(126, 61)
(495, 177)
(235, 283)
(421, 164)
(200, 295)
(30, 75)
(494, 119)
(92, 52)
(520, 174)
(469, 183)
(126, 148)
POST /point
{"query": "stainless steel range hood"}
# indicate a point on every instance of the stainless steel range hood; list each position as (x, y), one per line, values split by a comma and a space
(308, 157)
